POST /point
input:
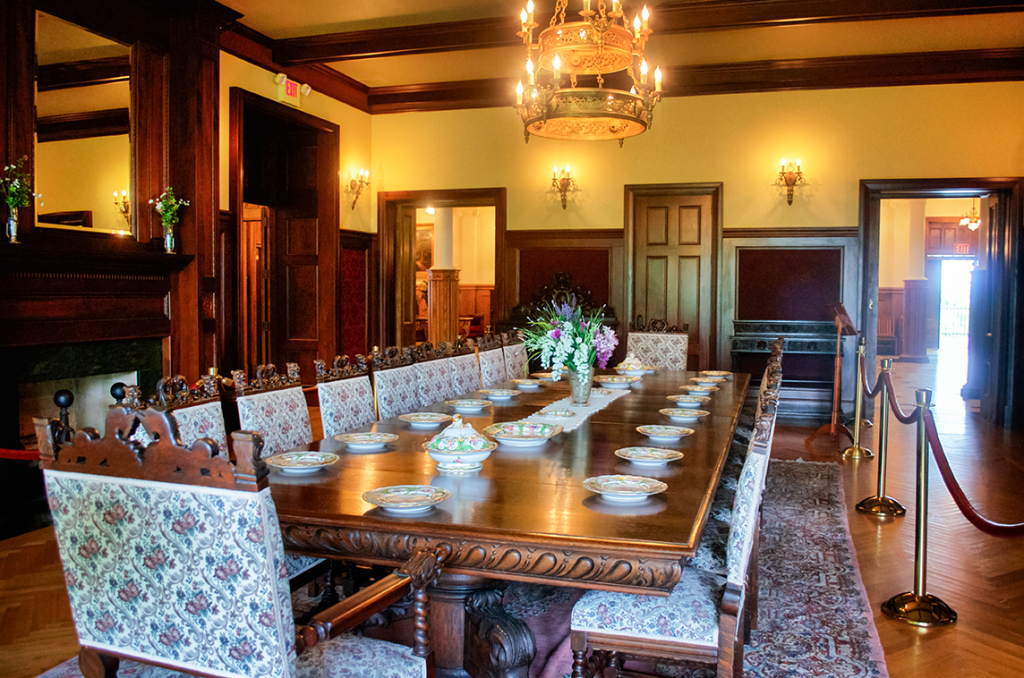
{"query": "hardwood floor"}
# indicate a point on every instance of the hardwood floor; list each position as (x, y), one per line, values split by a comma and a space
(981, 577)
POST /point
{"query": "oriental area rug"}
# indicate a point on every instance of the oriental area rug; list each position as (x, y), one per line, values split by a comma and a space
(814, 618)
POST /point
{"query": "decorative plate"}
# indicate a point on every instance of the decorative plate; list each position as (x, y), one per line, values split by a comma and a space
(699, 389)
(528, 384)
(468, 404)
(499, 393)
(648, 456)
(543, 376)
(650, 369)
(707, 380)
(631, 371)
(425, 419)
(406, 498)
(522, 433)
(717, 373)
(298, 463)
(615, 381)
(685, 414)
(664, 434)
(366, 441)
(601, 392)
(624, 488)
(560, 414)
(690, 401)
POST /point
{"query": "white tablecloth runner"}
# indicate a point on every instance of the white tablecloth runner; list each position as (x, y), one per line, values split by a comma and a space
(598, 401)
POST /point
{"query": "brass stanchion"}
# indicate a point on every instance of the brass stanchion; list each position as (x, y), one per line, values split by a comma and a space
(881, 505)
(858, 451)
(917, 607)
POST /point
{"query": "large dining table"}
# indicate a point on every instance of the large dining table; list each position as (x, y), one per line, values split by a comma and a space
(524, 516)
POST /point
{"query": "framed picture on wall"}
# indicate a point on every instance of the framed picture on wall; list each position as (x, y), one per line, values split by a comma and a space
(424, 252)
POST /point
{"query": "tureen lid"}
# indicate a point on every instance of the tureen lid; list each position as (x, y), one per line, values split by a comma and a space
(459, 436)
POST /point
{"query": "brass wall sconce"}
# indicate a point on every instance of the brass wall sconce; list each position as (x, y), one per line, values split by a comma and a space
(790, 176)
(562, 181)
(121, 201)
(357, 185)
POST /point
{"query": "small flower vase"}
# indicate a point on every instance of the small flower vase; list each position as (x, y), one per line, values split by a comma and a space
(12, 225)
(169, 242)
(580, 383)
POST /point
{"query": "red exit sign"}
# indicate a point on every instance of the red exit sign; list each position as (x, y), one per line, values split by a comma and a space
(962, 248)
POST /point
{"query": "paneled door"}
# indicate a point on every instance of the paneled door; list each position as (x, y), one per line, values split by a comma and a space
(675, 242)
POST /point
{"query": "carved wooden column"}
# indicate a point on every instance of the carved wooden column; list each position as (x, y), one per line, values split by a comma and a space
(915, 299)
(443, 283)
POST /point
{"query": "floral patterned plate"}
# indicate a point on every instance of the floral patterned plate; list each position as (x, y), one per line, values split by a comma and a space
(707, 380)
(691, 401)
(499, 393)
(650, 369)
(664, 434)
(528, 384)
(425, 419)
(366, 441)
(560, 414)
(522, 433)
(298, 463)
(615, 380)
(543, 376)
(624, 489)
(468, 404)
(684, 414)
(648, 456)
(406, 498)
(698, 389)
(717, 373)
(602, 392)
(631, 371)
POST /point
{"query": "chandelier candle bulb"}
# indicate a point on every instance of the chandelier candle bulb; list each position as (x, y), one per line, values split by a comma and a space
(644, 16)
(586, 5)
(522, 19)
(529, 70)
(636, 26)
(558, 70)
(519, 93)
(657, 79)
(643, 72)
(529, 12)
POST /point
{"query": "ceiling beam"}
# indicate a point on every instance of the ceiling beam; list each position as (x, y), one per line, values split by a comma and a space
(82, 125)
(873, 70)
(673, 17)
(83, 73)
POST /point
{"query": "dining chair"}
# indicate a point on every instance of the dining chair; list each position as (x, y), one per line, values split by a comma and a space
(173, 556)
(275, 406)
(658, 344)
(516, 357)
(345, 394)
(492, 360)
(465, 367)
(197, 412)
(433, 374)
(395, 385)
(701, 621)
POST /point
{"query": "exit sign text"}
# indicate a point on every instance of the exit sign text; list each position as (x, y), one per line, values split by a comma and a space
(962, 248)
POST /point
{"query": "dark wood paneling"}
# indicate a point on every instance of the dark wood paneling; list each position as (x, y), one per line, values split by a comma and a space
(442, 96)
(788, 284)
(945, 233)
(797, 233)
(589, 268)
(356, 284)
(125, 21)
(915, 321)
(148, 147)
(83, 125)
(83, 73)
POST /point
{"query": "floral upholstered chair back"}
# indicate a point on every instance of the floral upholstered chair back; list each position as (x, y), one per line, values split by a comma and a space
(492, 361)
(433, 374)
(197, 412)
(275, 406)
(516, 360)
(346, 396)
(658, 345)
(744, 516)
(171, 555)
(465, 368)
(395, 383)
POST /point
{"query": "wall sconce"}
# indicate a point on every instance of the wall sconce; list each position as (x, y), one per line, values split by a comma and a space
(123, 206)
(357, 185)
(790, 176)
(562, 181)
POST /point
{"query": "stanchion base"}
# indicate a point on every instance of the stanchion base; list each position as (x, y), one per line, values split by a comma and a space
(926, 610)
(883, 507)
(858, 452)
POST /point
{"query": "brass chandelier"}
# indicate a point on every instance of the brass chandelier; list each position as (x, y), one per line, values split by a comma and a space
(599, 44)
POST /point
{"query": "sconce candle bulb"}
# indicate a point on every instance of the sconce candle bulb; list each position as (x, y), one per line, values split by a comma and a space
(357, 185)
(123, 205)
(790, 176)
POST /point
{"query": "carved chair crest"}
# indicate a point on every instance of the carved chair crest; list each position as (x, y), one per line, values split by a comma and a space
(656, 325)
(489, 342)
(174, 392)
(427, 351)
(267, 379)
(341, 368)
(462, 346)
(392, 357)
(763, 429)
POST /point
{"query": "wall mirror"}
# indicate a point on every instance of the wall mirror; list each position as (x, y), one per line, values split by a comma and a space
(82, 146)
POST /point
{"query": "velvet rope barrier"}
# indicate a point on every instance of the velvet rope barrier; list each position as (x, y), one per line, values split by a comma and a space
(961, 500)
(895, 406)
(869, 392)
(26, 455)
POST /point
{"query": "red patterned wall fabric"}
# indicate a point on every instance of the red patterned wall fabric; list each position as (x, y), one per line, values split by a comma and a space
(588, 268)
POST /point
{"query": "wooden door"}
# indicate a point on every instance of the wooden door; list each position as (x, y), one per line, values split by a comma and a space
(405, 276)
(675, 262)
(933, 311)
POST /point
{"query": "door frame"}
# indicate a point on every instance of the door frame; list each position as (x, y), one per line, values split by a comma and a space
(1002, 251)
(388, 204)
(633, 191)
(328, 196)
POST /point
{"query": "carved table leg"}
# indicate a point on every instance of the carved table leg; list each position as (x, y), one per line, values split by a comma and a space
(93, 664)
(472, 634)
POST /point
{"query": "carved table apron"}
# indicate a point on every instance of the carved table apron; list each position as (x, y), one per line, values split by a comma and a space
(525, 516)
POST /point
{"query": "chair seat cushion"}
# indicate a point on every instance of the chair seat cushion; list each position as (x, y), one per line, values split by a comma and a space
(689, 614)
(353, 656)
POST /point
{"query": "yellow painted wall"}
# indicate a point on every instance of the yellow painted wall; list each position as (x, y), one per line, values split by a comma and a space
(82, 174)
(354, 138)
(842, 136)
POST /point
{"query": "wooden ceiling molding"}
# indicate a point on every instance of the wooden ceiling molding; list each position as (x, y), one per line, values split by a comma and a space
(83, 125)
(83, 73)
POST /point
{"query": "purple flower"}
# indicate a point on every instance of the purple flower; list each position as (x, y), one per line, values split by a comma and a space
(605, 342)
(555, 334)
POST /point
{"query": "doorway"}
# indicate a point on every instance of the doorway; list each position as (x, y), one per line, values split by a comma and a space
(284, 196)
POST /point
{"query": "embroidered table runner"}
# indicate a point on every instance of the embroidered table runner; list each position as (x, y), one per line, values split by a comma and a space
(600, 398)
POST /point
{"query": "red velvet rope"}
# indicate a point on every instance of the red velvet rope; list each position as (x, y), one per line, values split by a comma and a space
(895, 406)
(29, 455)
(962, 502)
(868, 391)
